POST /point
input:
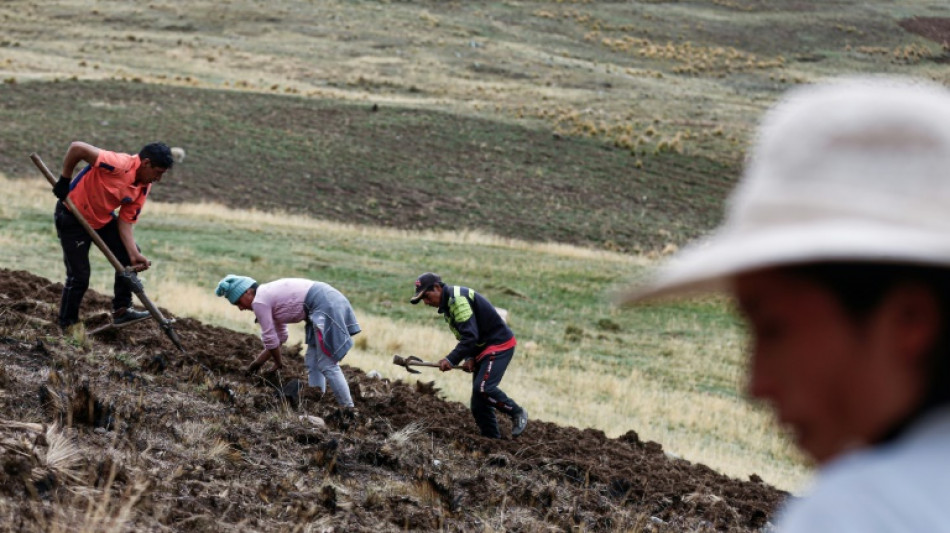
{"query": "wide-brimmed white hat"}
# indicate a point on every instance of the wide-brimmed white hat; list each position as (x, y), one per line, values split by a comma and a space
(856, 169)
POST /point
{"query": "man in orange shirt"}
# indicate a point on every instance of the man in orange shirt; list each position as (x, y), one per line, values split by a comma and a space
(111, 181)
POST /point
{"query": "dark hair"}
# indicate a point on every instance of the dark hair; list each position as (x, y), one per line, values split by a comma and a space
(158, 153)
(861, 287)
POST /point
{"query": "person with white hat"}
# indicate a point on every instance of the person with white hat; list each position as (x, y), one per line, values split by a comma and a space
(836, 247)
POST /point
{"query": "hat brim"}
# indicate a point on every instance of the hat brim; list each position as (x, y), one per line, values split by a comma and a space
(712, 264)
(418, 296)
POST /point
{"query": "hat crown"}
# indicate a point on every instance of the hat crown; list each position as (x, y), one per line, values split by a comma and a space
(864, 149)
(427, 280)
(856, 169)
(423, 283)
(233, 287)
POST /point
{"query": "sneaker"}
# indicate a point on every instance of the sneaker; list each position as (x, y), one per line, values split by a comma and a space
(127, 316)
(519, 420)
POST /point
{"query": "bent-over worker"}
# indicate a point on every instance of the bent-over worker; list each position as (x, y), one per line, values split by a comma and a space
(485, 347)
(111, 181)
(330, 325)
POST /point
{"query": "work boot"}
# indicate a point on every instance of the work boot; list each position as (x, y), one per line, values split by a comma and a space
(127, 315)
(519, 419)
(350, 414)
(291, 393)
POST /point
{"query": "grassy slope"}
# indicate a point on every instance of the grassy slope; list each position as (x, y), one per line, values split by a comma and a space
(468, 91)
(671, 373)
(666, 94)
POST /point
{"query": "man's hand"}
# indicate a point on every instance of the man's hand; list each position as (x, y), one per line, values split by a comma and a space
(468, 365)
(445, 365)
(139, 262)
(61, 189)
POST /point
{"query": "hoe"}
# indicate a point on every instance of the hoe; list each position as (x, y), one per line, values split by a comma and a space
(411, 361)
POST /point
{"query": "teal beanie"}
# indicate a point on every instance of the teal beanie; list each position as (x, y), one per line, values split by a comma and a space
(233, 287)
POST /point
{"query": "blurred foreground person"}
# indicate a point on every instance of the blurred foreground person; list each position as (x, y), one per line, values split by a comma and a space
(836, 246)
(485, 347)
(330, 325)
(111, 181)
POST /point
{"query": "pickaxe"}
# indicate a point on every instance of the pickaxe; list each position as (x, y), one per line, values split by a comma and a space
(127, 273)
(411, 361)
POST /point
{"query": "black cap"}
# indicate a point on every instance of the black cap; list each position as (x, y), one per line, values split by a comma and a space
(423, 283)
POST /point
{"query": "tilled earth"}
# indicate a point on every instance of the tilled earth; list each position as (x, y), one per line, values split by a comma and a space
(123, 432)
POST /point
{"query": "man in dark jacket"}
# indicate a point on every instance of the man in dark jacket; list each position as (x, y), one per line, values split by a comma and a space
(485, 346)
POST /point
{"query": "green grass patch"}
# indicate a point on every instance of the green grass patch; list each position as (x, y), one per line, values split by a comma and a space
(401, 168)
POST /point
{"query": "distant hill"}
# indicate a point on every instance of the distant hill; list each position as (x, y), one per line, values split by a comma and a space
(393, 167)
(617, 125)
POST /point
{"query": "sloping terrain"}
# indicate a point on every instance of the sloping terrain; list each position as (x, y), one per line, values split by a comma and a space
(123, 432)
(617, 125)
(393, 167)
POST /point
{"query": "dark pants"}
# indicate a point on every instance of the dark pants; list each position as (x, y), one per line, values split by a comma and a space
(486, 396)
(75, 242)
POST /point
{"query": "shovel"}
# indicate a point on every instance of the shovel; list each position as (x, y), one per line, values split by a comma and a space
(411, 361)
(127, 273)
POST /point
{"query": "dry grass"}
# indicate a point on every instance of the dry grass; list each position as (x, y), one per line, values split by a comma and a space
(721, 431)
(579, 68)
(55, 456)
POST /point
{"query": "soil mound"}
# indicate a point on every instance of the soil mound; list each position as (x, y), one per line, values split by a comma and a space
(124, 432)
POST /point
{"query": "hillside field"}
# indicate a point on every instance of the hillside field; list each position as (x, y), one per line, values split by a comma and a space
(544, 152)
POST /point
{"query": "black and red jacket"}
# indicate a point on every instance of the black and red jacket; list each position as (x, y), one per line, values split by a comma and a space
(475, 323)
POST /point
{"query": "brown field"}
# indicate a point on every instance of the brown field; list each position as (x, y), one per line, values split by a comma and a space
(612, 125)
(138, 437)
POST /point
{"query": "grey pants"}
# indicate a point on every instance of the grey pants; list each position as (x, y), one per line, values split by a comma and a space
(321, 370)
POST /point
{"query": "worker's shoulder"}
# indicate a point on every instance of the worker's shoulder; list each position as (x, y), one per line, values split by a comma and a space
(115, 161)
(460, 290)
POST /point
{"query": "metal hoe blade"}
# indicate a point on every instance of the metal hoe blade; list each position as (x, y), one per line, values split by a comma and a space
(404, 362)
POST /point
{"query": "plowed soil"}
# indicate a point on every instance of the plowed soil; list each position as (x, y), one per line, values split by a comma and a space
(936, 29)
(123, 432)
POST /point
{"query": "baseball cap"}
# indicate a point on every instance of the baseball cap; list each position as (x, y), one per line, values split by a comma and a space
(423, 283)
(853, 169)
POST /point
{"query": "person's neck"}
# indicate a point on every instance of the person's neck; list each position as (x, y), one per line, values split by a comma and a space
(900, 427)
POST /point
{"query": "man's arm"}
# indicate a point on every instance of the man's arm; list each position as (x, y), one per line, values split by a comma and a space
(139, 261)
(467, 346)
(467, 341)
(78, 151)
